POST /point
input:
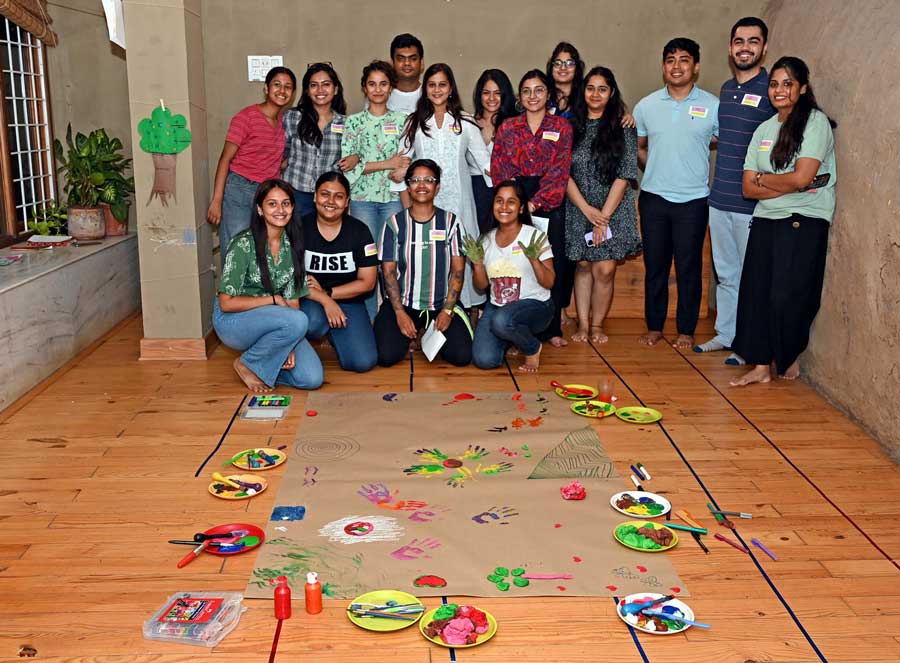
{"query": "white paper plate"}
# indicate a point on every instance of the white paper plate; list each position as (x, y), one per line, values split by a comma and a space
(637, 494)
(649, 596)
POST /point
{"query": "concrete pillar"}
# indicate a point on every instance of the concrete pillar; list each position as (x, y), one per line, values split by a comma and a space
(165, 61)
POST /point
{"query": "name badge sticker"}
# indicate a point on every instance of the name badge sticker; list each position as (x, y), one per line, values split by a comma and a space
(370, 249)
(765, 145)
(550, 135)
(698, 111)
(390, 129)
(456, 128)
(751, 100)
(337, 128)
(437, 235)
(516, 250)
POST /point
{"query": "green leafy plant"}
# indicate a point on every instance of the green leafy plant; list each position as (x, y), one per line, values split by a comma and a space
(94, 167)
(51, 219)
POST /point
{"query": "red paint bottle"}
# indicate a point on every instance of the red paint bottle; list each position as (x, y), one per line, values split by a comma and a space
(282, 599)
(313, 593)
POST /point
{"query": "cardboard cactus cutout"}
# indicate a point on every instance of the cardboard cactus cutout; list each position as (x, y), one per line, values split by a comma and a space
(164, 135)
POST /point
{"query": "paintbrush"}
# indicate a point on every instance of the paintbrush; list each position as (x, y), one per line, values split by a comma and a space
(238, 457)
(571, 391)
(685, 515)
(671, 615)
(635, 608)
(700, 543)
(383, 615)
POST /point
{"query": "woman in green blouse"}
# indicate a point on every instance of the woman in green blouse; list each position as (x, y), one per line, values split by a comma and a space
(258, 307)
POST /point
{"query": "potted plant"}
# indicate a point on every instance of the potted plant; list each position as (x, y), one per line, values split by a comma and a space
(94, 169)
(49, 220)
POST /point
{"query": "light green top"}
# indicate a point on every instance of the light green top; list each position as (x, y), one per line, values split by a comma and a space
(241, 276)
(373, 138)
(818, 143)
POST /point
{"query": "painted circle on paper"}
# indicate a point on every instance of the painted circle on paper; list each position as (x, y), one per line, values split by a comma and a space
(323, 448)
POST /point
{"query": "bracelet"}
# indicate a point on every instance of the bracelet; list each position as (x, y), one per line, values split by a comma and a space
(449, 311)
(759, 180)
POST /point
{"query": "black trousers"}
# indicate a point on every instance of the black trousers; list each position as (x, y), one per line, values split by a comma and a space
(672, 230)
(393, 345)
(781, 287)
(561, 292)
(484, 203)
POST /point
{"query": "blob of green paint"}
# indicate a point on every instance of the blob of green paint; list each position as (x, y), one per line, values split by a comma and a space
(503, 586)
(250, 541)
(495, 578)
(446, 611)
(521, 582)
(501, 571)
(518, 572)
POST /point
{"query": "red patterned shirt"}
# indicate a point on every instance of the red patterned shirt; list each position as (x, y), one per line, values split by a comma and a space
(546, 153)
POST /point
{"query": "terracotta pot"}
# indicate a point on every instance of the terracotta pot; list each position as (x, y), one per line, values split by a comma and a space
(113, 227)
(86, 223)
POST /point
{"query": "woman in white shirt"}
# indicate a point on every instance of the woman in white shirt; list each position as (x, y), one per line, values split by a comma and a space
(441, 131)
(514, 261)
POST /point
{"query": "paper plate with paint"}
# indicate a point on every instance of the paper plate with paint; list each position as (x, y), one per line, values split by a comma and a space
(639, 504)
(238, 486)
(657, 625)
(576, 392)
(458, 626)
(256, 460)
(595, 409)
(253, 539)
(638, 415)
(645, 536)
(387, 600)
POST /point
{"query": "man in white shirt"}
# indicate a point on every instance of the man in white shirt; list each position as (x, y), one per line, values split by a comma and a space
(407, 56)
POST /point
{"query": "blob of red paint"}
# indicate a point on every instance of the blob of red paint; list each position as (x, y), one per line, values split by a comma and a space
(464, 397)
(642, 569)
(311, 413)
(517, 397)
(558, 525)
(675, 590)
(613, 588)
(452, 463)
(576, 558)
(429, 581)
(561, 588)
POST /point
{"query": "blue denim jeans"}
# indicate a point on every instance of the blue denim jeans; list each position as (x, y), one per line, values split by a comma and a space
(374, 215)
(354, 344)
(728, 232)
(267, 335)
(304, 202)
(517, 324)
(237, 208)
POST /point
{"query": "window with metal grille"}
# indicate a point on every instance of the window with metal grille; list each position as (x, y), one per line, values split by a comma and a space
(26, 140)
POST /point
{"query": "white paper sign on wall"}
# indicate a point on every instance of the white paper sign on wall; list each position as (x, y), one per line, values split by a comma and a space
(258, 66)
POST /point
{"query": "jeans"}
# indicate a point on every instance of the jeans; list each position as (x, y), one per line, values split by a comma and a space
(304, 202)
(374, 215)
(355, 343)
(672, 230)
(728, 232)
(237, 208)
(267, 335)
(514, 324)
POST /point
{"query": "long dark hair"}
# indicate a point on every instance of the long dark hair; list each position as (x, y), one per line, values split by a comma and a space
(260, 237)
(507, 96)
(524, 215)
(577, 79)
(425, 109)
(308, 125)
(790, 137)
(608, 146)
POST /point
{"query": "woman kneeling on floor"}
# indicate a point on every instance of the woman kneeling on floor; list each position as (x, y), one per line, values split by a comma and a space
(258, 307)
(515, 262)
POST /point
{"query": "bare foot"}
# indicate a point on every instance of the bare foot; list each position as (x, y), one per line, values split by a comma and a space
(597, 335)
(513, 351)
(532, 362)
(683, 342)
(249, 378)
(756, 374)
(792, 372)
(581, 335)
(651, 338)
(558, 342)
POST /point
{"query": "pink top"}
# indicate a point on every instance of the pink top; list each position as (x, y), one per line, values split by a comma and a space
(261, 146)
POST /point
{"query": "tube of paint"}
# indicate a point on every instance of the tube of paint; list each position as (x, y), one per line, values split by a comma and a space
(282, 599)
(313, 592)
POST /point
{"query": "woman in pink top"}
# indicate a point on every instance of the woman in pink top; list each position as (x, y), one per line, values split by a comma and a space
(254, 149)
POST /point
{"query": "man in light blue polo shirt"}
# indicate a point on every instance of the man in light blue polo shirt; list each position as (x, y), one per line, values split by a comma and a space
(743, 106)
(675, 126)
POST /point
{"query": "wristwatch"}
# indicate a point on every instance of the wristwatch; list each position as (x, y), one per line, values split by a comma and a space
(449, 311)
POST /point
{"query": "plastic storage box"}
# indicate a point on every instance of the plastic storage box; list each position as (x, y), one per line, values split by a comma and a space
(196, 618)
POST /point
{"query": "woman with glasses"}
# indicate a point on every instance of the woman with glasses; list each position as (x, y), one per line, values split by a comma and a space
(535, 148)
(258, 307)
(313, 131)
(439, 130)
(565, 71)
(253, 152)
(374, 136)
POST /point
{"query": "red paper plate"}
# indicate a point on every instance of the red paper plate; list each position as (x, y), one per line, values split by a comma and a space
(252, 530)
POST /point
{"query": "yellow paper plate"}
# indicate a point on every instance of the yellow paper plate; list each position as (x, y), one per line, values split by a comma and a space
(383, 624)
(484, 637)
(638, 415)
(641, 622)
(275, 453)
(562, 394)
(645, 523)
(236, 494)
(595, 409)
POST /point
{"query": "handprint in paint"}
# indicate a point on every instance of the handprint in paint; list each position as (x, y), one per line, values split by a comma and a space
(496, 514)
(416, 549)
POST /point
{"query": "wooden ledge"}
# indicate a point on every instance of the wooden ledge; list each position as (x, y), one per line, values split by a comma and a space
(178, 349)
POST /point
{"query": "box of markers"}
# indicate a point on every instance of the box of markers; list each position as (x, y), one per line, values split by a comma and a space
(195, 618)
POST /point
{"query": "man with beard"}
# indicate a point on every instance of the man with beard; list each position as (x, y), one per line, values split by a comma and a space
(743, 106)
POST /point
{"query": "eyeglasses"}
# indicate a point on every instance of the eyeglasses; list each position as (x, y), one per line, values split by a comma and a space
(533, 92)
(559, 64)
(420, 180)
(313, 64)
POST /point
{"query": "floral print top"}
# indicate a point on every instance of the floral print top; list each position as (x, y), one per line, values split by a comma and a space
(373, 138)
(241, 276)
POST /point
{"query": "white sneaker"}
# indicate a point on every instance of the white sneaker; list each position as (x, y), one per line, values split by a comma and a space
(712, 345)
(735, 360)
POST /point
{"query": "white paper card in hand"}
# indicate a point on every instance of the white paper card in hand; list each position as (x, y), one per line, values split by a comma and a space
(432, 341)
(542, 223)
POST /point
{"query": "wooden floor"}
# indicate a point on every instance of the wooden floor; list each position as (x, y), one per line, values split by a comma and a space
(98, 471)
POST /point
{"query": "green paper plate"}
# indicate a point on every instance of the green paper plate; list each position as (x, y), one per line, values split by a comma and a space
(638, 415)
(595, 409)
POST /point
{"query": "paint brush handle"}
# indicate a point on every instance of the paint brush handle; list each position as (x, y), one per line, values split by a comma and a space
(191, 556)
(733, 544)
(385, 615)
(217, 476)
(758, 544)
(685, 515)
(685, 528)
(570, 390)
(668, 615)
(739, 514)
